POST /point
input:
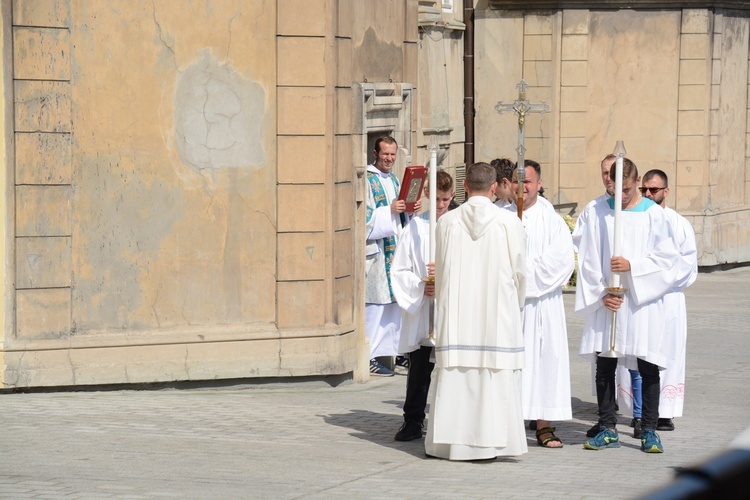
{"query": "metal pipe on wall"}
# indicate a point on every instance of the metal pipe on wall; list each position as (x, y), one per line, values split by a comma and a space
(469, 111)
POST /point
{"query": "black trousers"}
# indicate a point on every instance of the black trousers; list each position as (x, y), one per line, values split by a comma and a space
(418, 383)
(605, 392)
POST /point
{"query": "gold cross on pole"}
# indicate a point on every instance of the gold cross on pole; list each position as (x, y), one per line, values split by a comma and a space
(521, 107)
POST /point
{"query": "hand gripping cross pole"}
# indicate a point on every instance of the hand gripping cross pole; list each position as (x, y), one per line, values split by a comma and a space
(521, 107)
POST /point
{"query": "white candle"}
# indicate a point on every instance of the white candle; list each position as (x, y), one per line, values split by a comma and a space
(433, 195)
(620, 152)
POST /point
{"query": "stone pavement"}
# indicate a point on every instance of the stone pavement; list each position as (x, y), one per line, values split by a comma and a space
(321, 440)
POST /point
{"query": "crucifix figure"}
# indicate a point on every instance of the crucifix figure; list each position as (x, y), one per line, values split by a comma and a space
(520, 107)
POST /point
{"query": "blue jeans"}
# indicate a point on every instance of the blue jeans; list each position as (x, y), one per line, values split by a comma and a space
(636, 381)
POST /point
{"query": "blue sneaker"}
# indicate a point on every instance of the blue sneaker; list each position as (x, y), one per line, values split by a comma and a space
(379, 370)
(650, 442)
(607, 438)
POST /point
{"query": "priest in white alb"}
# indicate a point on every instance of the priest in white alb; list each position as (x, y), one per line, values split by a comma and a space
(609, 191)
(385, 216)
(549, 264)
(411, 264)
(475, 403)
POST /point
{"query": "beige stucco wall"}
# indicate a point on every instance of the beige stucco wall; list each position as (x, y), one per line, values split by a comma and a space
(671, 84)
(146, 193)
(441, 84)
(7, 322)
(184, 189)
(180, 211)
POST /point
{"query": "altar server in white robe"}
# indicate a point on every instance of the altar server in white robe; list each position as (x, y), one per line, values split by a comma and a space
(655, 187)
(383, 224)
(609, 192)
(549, 264)
(411, 264)
(475, 405)
(647, 266)
(504, 194)
(593, 206)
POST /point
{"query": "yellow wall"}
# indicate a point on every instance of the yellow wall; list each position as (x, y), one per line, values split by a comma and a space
(671, 84)
(8, 290)
(186, 186)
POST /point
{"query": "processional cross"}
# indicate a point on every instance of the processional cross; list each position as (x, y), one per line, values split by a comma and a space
(520, 107)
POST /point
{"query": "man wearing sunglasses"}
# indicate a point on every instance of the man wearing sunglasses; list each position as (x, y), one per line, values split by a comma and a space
(655, 186)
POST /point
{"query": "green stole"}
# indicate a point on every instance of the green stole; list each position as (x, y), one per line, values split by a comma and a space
(389, 242)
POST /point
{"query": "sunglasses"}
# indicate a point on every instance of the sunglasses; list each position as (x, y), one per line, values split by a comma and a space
(651, 190)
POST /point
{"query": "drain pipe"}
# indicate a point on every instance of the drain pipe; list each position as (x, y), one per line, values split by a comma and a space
(469, 111)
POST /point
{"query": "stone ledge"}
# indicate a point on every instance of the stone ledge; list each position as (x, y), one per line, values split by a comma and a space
(616, 4)
(138, 364)
(173, 336)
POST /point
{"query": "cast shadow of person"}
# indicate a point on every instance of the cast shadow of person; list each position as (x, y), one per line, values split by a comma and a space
(380, 428)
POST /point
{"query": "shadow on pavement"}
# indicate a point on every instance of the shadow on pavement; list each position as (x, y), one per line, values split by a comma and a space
(378, 428)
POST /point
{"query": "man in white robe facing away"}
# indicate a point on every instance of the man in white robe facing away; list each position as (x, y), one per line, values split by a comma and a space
(647, 266)
(549, 264)
(384, 220)
(655, 186)
(411, 264)
(475, 404)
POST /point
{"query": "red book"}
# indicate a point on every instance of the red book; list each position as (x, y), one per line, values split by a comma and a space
(412, 185)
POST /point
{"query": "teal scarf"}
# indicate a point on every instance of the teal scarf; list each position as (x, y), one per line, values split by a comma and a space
(389, 243)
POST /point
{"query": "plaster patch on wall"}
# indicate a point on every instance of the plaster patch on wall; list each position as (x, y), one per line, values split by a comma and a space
(218, 117)
(377, 58)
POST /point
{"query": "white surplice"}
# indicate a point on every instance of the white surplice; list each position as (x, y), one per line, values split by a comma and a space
(648, 244)
(475, 406)
(408, 268)
(549, 264)
(583, 217)
(502, 203)
(382, 314)
(672, 378)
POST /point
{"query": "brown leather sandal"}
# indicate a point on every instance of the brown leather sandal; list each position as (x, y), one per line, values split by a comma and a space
(544, 443)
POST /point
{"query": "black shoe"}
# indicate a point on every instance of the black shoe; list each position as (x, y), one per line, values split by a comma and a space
(402, 361)
(409, 431)
(664, 424)
(532, 425)
(596, 429)
(379, 370)
(402, 365)
(637, 428)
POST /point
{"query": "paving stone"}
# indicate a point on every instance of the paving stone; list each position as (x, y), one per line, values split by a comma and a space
(292, 440)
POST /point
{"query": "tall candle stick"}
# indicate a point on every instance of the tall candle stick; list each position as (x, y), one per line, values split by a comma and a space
(614, 280)
(433, 194)
(430, 340)
(619, 152)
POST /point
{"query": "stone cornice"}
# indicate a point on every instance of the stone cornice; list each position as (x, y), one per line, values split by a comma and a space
(617, 4)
